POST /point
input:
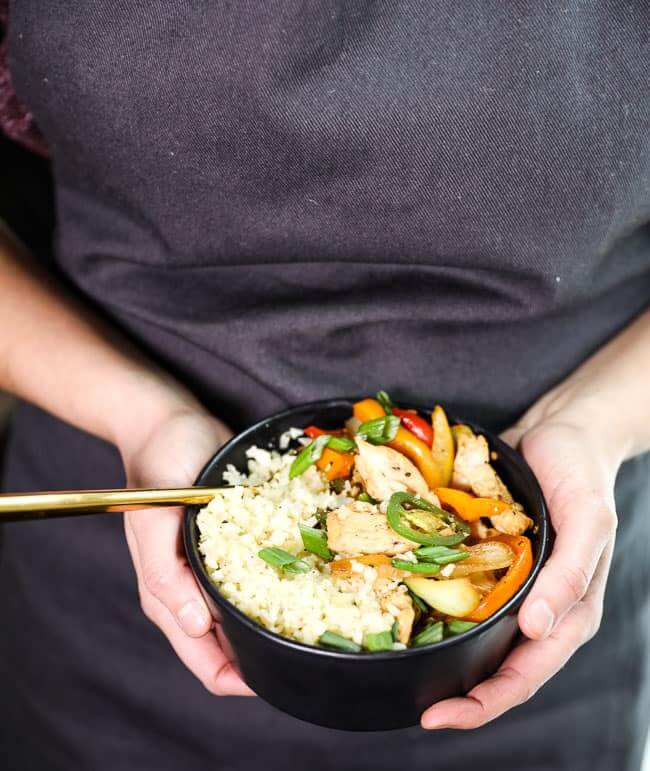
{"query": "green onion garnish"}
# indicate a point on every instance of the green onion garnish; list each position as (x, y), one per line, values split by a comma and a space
(386, 402)
(308, 456)
(394, 631)
(339, 643)
(458, 627)
(441, 555)
(283, 560)
(396, 513)
(381, 641)
(418, 602)
(379, 430)
(430, 634)
(424, 568)
(341, 444)
(315, 541)
(365, 498)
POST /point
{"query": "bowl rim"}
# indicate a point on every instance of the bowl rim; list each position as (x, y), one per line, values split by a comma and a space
(201, 575)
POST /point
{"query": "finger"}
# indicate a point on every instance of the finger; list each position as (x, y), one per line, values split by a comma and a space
(203, 656)
(163, 570)
(584, 525)
(513, 435)
(527, 667)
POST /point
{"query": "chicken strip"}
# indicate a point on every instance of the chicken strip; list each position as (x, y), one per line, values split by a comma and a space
(472, 471)
(384, 471)
(400, 606)
(360, 528)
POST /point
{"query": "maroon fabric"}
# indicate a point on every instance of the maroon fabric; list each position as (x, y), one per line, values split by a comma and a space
(15, 120)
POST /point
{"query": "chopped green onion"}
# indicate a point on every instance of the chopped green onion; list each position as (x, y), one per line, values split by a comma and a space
(315, 541)
(430, 634)
(424, 568)
(339, 643)
(365, 498)
(386, 402)
(458, 627)
(418, 602)
(381, 641)
(394, 631)
(308, 456)
(299, 566)
(341, 444)
(396, 512)
(379, 430)
(441, 555)
(283, 560)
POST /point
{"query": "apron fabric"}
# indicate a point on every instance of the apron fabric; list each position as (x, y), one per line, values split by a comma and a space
(286, 201)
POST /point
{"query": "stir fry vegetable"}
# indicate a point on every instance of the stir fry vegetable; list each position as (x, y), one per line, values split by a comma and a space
(423, 511)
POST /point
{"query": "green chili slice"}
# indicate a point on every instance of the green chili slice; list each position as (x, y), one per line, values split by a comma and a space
(430, 634)
(458, 627)
(395, 515)
(379, 430)
(394, 631)
(338, 642)
(283, 560)
(441, 555)
(423, 568)
(380, 641)
(386, 402)
(315, 541)
(308, 456)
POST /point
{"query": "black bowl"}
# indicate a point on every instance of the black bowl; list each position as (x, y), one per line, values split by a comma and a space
(360, 691)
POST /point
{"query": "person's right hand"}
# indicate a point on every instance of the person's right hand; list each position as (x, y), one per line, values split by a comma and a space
(171, 454)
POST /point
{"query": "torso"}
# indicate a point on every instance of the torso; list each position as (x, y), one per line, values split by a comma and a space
(286, 201)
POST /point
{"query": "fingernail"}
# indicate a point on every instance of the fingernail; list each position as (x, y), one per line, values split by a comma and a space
(193, 618)
(540, 619)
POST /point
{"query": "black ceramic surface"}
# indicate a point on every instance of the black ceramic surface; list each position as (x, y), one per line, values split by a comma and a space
(363, 691)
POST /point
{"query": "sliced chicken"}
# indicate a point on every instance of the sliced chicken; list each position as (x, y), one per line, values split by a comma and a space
(384, 471)
(400, 606)
(512, 521)
(472, 471)
(360, 528)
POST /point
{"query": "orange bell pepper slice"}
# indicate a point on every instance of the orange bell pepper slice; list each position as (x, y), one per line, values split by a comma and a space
(335, 465)
(405, 442)
(511, 582)
(467, 506)
(381, 562)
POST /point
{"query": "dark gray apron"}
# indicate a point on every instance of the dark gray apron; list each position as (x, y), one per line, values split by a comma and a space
(285, 201)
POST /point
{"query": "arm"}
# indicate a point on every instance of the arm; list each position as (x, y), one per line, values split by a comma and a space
(575, 439)
(56, 354)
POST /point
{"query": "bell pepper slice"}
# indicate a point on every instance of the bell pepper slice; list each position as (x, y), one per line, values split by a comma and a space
(416, 425)
(511, 582)
(342, 568)
(443, 450)
(467, 506)
(314, 431)
(405, 442)
(335, 465)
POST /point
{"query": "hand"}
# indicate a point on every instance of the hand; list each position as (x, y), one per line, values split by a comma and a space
(171, 455)
(576, 468)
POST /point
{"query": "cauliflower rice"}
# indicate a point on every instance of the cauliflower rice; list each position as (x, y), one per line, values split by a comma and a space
(240, 521)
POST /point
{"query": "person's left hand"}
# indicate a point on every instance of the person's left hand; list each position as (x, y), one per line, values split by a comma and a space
(576, 467)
